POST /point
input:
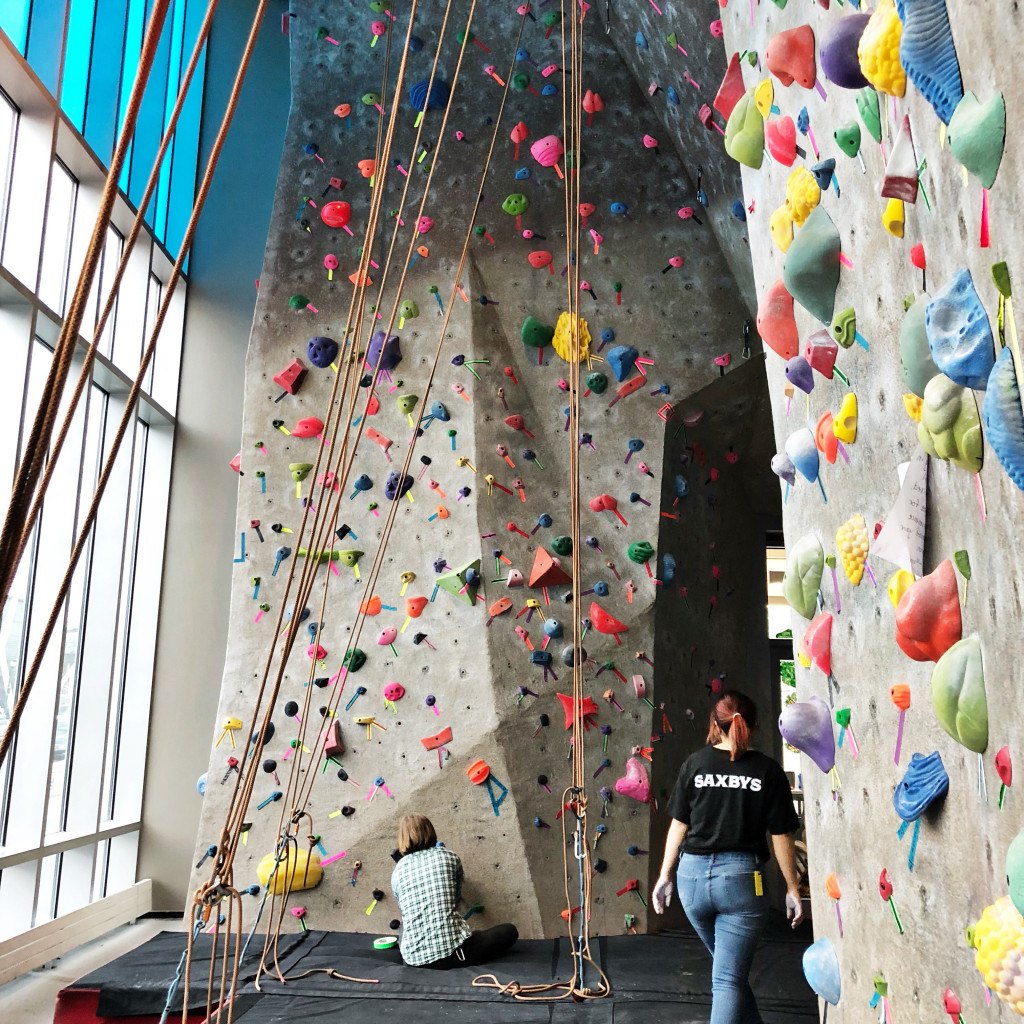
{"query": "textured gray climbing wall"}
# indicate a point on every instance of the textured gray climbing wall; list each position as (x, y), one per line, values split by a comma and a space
(702, 465)
(853, 834)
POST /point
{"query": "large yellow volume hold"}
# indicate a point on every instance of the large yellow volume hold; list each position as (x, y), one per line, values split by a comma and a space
(298, 869)
(879, 50)
(852, 542)
(802, 194)
(562, 341)
(999, 940)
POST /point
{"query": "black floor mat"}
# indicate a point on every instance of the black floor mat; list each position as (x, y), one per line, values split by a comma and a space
(656, 979)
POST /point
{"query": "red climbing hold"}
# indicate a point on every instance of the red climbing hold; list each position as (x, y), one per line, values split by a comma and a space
(605, 622)
(547, 570)
(731, 89)
(928, 618)
(776, 323)
(587, 710)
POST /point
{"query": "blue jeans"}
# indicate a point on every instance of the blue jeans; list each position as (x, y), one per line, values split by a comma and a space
(717, 892)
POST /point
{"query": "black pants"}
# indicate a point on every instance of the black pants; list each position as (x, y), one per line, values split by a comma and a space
(479, 948)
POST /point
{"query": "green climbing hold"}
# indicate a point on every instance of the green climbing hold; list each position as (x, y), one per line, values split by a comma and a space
(962, 560)
(811, 270)
(915, 353)
(535, 333)
(844, 327)
(457, 583)
(781, 4)
(950, 427)
(640, 551)
(1015, 871)
(744, 132)
(1001, 278)
(977, 135)
(805, 564)
(870, 113)
(958, 694)
(354, 659)
(847, 138)
(300, 470)
(515, 204)
(562, 546)
(597, 382)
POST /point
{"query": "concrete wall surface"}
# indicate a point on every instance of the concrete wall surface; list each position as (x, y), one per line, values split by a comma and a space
(960, 856)
(681, 320)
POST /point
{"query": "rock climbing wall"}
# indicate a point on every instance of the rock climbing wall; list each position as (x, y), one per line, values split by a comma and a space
(896, 220)
(674, 431)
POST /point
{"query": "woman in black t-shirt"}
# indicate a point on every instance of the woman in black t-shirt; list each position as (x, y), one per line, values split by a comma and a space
(727, 797)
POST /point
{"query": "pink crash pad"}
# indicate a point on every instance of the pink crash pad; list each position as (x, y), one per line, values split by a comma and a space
(928, 619)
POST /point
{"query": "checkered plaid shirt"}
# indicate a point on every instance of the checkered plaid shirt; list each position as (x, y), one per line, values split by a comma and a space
(427, 885)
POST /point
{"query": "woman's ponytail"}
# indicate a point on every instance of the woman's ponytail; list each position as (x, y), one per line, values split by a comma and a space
(734, 715)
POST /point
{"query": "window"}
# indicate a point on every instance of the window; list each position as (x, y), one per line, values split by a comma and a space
(71, 791)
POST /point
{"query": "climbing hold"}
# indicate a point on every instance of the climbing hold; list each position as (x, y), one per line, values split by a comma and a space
(811, 270)
(536, 334)
(999, 940)
(764, 97)
(838, 56)
(321, 352)
(852, 544)
(299, 470)
(899, 583)
(780, 224)
(636, 783)
(336, 214)
(437, 99)
(776, 323)
(816, 645)
(821, 968)
(870, 112)
(547, 570)
(790, 56)
(297, 870)
(847, 138)
(640, 552)
(731, 90)
(820, 351)
(622, 361)
(562, 546)
(894, 217)
(744, 133)
(900, 179)
(845, 422)
(807, 725)
(805, 564)
(915, 353)
(783, 468)
(780, 136)
(823, 173)
(571, 349)
(388, 353)
(1015, 870)
(928, 55)
(803, 453)
(1004, 423)
(977, 135)
(959, 333)
(958, 694)
(844, 327)
(547, 151)
(928, 620)
(604, 622)
(396, 486)
(800, 374)
(463, 582)
(879, 50)
(354, 660)
(802, 194)
(597, 382)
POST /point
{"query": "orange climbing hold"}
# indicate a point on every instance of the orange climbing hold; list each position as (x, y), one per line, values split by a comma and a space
(776, 323)
(547, 570)
(790, 56)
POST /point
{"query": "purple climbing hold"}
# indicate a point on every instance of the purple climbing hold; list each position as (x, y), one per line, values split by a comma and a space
(389, 352)
(838, 56)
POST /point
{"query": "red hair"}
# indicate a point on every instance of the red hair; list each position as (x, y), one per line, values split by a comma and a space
(734, 715)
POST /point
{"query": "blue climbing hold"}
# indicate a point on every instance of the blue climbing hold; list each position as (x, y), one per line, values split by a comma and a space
(522, 174)
(622, 361)
(682, 486)
(821, 969)
(1001, 414)
(601, 588)
(415, 44)
(641, 41)
(925, 782)
(803, 453)
(803, 121)
(928, 55)
(668, 568)
(321, 351)
(439, 412)
(395, 486)
(549, 90)
(672, 96)
(440, 92)
(607, 336)
(959, 334)
(738, 210)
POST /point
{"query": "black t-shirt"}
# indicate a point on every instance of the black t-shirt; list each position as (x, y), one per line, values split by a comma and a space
(730, 805)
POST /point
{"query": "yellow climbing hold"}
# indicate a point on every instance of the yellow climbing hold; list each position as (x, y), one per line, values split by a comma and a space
(764, 97)
(298, 869)
(562, 342)
(844, 423)
(852, 542)
(999, 940)
(803, 659)
(913, 404)
(802, 194)
(899, 584)
(893, 217)
(781, 226)
(879, 50)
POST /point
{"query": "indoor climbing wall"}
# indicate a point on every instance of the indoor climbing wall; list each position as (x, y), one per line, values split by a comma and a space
(448, 694)
(885, 237)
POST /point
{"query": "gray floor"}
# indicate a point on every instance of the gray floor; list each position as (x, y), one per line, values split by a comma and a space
(30, 998)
